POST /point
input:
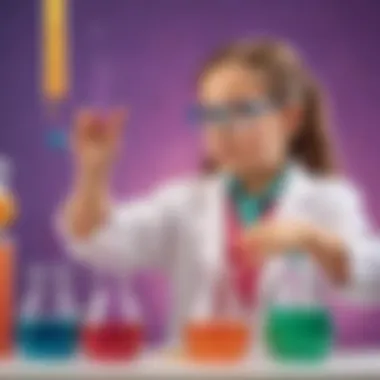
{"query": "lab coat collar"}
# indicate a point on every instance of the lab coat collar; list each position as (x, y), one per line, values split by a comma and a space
(213, 217)
(297, 181)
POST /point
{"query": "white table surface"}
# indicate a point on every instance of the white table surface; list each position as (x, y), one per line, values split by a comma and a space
(358, 366)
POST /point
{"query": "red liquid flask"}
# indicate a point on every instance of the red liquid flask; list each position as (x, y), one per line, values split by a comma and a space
(113, 330)
(113, 340)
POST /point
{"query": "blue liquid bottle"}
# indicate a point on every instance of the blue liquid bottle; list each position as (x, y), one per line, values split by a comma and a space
(43, 333)
(298, 325)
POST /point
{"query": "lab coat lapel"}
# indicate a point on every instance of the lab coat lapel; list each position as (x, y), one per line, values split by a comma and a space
(213, 228)
(290, 201)
(213, 215)
(212, 223)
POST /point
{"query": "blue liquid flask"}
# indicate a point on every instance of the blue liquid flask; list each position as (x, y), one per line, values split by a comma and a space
(298, 325)
(42, 332)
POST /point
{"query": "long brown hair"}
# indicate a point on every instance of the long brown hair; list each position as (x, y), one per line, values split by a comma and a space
(287, 79)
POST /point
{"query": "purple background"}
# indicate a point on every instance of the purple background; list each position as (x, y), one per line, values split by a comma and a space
(146, 53)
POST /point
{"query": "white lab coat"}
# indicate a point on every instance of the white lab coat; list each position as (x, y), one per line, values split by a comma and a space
(181, 228)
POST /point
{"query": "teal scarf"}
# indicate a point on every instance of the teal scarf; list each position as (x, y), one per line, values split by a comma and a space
(250, 207)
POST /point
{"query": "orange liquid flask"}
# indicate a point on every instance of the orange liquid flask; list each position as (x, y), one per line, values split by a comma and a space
(216, 340)
(6, 294)
(7, 213)
(217, 337)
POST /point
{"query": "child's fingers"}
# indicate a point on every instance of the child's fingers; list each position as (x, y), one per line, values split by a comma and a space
(83, 118)
(90, 126)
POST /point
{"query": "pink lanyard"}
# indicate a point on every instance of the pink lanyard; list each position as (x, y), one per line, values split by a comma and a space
(242, 277)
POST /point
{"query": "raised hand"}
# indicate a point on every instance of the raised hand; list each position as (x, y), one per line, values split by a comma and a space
(96, 138)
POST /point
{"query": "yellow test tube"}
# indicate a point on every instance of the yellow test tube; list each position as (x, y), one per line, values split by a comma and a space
(55, 50)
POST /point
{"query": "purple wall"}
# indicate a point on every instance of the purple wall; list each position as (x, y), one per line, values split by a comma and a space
(146, 53)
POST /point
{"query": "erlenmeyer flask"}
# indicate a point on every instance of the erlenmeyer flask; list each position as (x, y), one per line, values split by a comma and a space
(113, 329)
(218, 328)
(298, 324)
(47, 331)
(153, 293)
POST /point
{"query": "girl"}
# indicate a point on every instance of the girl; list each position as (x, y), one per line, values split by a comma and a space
(273, 188)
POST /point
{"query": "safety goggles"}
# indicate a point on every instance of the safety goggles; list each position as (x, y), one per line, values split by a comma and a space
(234, 114)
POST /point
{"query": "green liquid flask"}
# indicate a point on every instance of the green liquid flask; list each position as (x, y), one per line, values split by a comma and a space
(298, 325)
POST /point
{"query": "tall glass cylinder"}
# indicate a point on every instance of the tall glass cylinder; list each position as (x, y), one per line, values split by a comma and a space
(7, 257)
(7, 248)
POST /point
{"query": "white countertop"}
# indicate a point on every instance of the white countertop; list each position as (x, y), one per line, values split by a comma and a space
(358, 366)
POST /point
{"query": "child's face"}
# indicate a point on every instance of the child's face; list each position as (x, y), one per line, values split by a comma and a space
(243, 131)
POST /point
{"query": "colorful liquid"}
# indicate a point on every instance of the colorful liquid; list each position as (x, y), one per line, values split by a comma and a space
(216, 341)
(113, 341)
(8, 209)
(47, 338)
(299, 334)
(6, 296)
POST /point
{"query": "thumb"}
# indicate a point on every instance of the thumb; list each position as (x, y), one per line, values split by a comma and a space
(254, 238)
